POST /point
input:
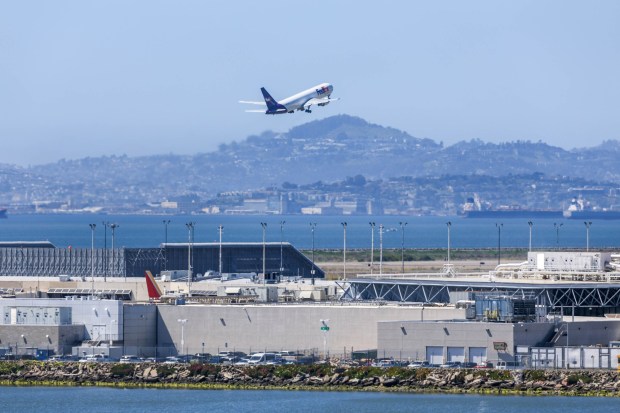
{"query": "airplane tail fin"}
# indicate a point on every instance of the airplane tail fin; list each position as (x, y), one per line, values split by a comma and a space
(272, 104)
(151, 286)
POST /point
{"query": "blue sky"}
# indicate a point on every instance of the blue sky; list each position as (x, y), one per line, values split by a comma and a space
(142, 77)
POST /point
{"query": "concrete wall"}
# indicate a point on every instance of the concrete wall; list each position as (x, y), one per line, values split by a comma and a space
(409, 340)
(282, 327)
(25, 339)
(140, 329)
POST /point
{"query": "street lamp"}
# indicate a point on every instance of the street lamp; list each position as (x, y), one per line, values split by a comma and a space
(281, 241)
(402, 246)
(220, 228)
(588, 225)
(113, 228)
(499, 242)
(344, 250)
(312, 227)
(264, 225)
(165, 222)
(372, 245)
(325, 329)
(449, 225)
(530, 223)
(557, 233)
(182, 321)
(92, 255)
(381, 249)
(190, 230)
(105, 224)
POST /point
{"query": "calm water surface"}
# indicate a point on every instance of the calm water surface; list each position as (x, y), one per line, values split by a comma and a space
(420, 232)
(92, 400)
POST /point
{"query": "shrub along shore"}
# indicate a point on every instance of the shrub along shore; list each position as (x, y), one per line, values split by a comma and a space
(312, 377)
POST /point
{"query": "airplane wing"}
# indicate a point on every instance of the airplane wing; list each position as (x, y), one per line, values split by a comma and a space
(253, 102)
(318, 101)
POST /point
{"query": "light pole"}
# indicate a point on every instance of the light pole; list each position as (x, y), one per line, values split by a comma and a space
(113, 228)
(499, 242)
(372, 245)
(166, 222)
(531, 224)
(402, 246)
(449, 225)
(264, 225)
(312, 227)
(190, 237)
(105, 248)
(281, 241)
(182, 321)
(381, 249)
(220, 228)
(588, 225)
(325, 329)
(92, 256)
(557, 233)
(344, 250)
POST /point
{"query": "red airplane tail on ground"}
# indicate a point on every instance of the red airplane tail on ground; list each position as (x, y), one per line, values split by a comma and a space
(152, 287)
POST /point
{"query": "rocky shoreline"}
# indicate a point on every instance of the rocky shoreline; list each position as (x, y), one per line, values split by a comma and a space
(312, 377)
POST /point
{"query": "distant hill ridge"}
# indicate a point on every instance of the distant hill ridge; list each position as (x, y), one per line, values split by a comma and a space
(329, 149)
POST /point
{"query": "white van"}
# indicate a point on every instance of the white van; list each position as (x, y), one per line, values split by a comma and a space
(508, 365)
(262, 358)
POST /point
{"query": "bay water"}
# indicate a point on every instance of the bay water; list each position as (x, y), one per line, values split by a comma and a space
(101, 399)
(149, 231)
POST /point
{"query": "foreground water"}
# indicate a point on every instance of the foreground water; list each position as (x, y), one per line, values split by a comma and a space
(96, 399)
(420, 232)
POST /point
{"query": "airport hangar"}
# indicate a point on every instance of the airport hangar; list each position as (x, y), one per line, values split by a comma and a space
(44, 259)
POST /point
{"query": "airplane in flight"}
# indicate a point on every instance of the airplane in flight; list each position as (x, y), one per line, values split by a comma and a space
(317, 95)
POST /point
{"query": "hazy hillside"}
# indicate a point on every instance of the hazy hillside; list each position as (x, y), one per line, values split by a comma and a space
(325, 150)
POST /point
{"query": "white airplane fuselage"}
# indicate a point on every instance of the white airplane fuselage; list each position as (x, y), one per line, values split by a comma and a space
(297, 102)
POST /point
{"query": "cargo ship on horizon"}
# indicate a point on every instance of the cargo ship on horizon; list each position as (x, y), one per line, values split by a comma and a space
(474, 208)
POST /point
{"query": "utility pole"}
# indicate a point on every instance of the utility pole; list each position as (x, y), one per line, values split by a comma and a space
(264, 225)
(588, 225)
(166, 222)
(92, 256)
(499, 242)
(449, 225)
(402, 246)
(344, 250)
(381, 249)
(220, 228)
(372, 245)
(530, 223)
(190, 237)
(113, 228)
(281, 241)
(312, 227)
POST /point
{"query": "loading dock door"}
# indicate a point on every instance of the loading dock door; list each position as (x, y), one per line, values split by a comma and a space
(456, 354)
(478, 355)
(434, 354)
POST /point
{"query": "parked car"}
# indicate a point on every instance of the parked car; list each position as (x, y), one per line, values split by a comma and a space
(451, 365)
(486, 365)
(262, 358)
(172, 360)
(468, 365)
(418, 364)
(131, 359)
(95, 358)
(385, 363)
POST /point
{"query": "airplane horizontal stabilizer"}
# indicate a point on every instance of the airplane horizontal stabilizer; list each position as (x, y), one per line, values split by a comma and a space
(253, 102)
